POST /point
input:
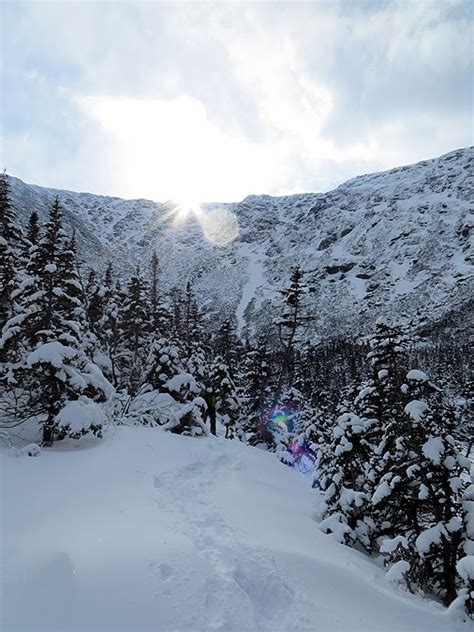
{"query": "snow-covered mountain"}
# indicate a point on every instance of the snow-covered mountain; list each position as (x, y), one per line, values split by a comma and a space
(392, 242)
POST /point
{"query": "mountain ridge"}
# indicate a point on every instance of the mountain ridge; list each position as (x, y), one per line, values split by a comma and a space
(397, 241)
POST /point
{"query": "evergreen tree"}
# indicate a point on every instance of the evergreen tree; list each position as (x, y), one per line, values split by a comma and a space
(256, 379)
(182, 412)
(419, 499)
(95, 296)
(11, 241)
(108, 299)
(191, 330)
(345, 468)
(159, 311)
(229, 406)
(43, 343)
(226, 344)
(291, 321)
(134, 332)
(465, 565)
(33, 229)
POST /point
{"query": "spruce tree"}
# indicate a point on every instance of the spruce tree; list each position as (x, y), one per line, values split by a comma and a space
(33, 229)
(229, 405)
(159, 311)
(43, 344)
(226, 344)
(106, 301)
(134, 333)
(182, 412)
(420, 497)
(256, 380)
(345, 469)
(465, 565)
(11, 242)
(292, 319)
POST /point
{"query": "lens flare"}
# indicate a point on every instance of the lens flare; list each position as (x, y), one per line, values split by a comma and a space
(220, 226)
(281, 419)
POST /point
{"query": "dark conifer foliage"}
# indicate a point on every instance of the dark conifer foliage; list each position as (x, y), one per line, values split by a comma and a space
(11, 242)
(135, 326)
(33, 229)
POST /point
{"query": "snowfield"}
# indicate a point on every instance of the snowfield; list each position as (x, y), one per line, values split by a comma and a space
(152, 531)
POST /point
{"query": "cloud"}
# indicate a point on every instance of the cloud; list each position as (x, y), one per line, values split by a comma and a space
(216, 101)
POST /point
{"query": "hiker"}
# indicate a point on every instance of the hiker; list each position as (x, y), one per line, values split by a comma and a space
(211, 400)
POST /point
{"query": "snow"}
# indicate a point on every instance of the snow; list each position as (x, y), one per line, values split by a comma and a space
(465, 567)
(80, 414)
(382, 491)
(255, 281)
(430, 536)
(152, 531)
(417, 376)
(416, 409)
(397, 571)
(181, 380)
(51, 352)
(389, 545)
(433, 449)
(404, 242)
(32, 449)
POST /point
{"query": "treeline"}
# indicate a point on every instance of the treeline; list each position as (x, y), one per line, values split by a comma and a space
(390, 443)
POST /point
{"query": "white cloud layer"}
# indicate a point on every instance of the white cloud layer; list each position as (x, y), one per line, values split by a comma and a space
(211, 101)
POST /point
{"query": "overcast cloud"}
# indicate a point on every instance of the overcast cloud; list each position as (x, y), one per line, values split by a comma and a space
(214, 101)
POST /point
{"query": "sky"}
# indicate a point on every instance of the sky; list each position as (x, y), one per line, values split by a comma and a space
(213, 101)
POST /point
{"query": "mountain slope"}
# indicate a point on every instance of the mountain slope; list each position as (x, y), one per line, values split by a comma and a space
(398, 242)
(151, 531)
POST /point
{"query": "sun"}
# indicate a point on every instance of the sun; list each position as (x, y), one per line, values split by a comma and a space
(186, 208)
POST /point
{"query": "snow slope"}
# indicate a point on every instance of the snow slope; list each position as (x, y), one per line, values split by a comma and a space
(151, 531)
(397, 242)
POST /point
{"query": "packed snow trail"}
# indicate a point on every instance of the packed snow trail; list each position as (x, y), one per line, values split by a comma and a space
(151, 531)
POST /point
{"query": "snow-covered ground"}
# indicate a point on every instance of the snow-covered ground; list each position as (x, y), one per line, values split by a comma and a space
(151, 531)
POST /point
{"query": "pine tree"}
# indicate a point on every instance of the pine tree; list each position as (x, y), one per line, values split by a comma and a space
(11, 242)
(256, 379)
(183, 410)
(43, 343)
(134, 332)
(421, 496)
(381, 397)
(345, 466)
(95, 294)
(291, 321)
(226, 344)
(229, 406)
(33, 229)
(465, 565)
(159, 311)
(108, 299)
(191, 330)
(154, 297)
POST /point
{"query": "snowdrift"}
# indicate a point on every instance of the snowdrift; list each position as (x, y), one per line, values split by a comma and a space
(152, 531)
